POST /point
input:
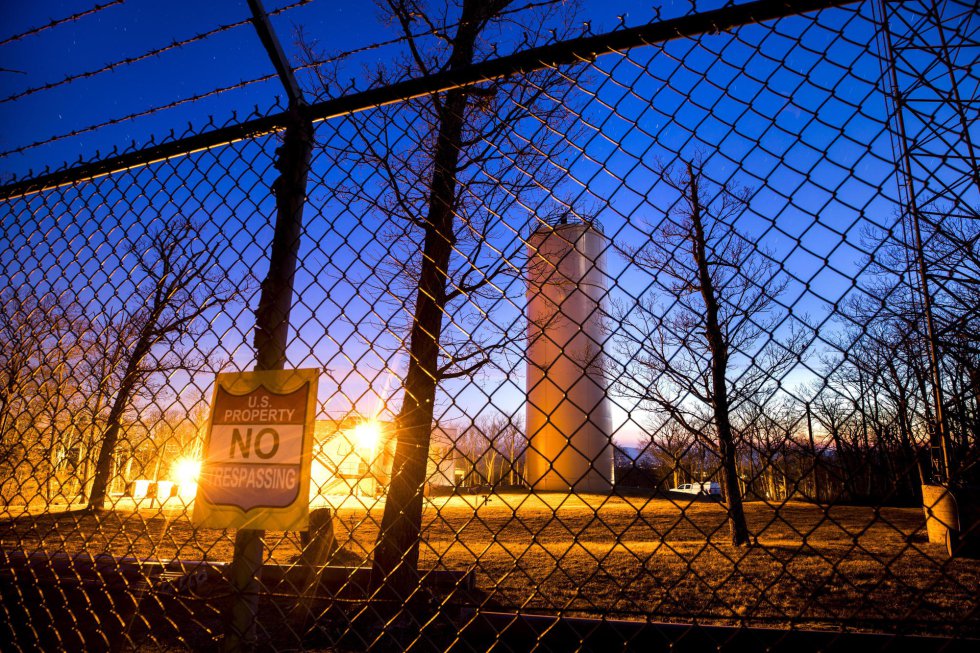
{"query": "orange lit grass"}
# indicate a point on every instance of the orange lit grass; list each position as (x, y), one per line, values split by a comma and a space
(856, 567)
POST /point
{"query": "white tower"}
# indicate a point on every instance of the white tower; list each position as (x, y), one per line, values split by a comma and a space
(568, 420)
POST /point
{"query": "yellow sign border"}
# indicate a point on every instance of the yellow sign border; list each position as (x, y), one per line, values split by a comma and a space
(294, 517)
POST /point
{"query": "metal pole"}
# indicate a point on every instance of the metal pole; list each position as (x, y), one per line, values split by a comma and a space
(957, 100)
(272, 313)
(271, 334)
(939, 436)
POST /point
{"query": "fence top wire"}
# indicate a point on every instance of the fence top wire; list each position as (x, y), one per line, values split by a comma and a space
(218, 102)
(128, 61)
(55, 22)
(570, 51)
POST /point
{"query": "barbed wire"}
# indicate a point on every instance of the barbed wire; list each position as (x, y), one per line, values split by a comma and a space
(115, 65)
(61, 21)
(341, 56)
(141, 114)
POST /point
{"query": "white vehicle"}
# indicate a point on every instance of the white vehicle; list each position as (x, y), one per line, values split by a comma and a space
(705, 489)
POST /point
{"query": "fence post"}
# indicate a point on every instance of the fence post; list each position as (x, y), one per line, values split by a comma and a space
(271, 332)
(318, 544)
(275, 303)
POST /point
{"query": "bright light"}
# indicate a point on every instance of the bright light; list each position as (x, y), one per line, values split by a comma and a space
(367, 435)
(186, 470)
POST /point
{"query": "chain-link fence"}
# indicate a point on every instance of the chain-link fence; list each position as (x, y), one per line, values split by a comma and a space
(662, 337)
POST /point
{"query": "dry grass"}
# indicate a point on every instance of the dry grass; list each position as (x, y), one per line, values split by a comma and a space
(854, 567)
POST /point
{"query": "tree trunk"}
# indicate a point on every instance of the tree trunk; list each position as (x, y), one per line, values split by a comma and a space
(974, 374)
(719, 370)
(907, 457)
(843, 461)
(813, 452)
(397, 551)
(103, 466)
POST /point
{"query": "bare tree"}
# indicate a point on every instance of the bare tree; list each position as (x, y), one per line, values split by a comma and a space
(448, 170)
(39, 350)
(511, 441)
(877, 401)
(676, 453)
(702, 342)
(179, 282)
(951, 257)
(504, 138)
(490, 460)
(470, 446)
(492, 449)
(766, 430)
(23, 321)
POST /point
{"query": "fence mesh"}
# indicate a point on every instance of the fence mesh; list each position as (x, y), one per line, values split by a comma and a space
(671, 345)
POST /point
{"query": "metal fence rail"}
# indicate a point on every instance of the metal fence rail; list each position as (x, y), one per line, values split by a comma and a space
(658, 337)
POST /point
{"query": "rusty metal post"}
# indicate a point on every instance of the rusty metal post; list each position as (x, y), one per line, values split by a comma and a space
(272, 313)
(271, 333)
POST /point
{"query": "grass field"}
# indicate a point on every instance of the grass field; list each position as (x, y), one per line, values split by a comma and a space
(842, 567)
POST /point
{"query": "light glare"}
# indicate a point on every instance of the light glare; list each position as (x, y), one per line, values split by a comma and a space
(186, 470)
(367, 435)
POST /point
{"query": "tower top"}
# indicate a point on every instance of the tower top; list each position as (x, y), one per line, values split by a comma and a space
(565, 218)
